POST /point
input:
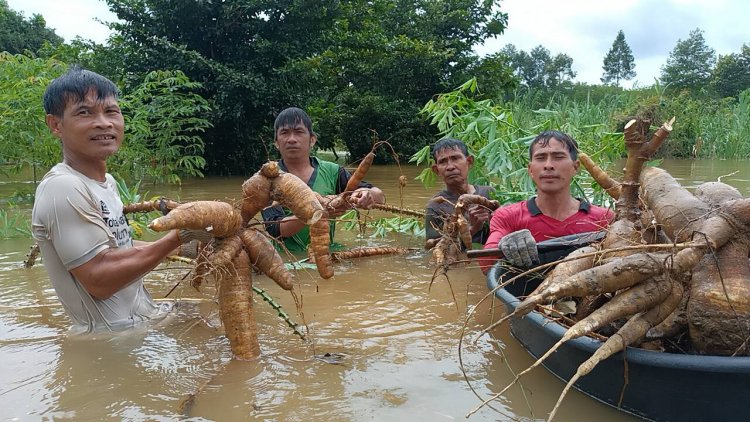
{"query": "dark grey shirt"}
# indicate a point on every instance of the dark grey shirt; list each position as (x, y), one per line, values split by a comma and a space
(436, 213)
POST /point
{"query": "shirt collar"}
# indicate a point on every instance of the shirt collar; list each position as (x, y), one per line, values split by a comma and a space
(313, 162)
(534, 209)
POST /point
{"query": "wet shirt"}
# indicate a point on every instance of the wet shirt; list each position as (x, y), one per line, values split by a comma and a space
(74, 219)
(436, 213)
(527, 215)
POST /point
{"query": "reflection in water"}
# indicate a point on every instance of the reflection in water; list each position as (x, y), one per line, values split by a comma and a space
(394, 335)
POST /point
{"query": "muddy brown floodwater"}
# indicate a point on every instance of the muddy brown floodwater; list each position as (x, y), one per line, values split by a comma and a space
(383, 341)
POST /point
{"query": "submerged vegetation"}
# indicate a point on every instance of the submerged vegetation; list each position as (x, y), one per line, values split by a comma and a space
(14, 223)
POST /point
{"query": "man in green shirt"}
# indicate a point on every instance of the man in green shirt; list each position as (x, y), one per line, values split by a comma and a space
(294, 138)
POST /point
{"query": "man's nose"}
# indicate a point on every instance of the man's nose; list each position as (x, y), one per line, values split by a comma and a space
(102, 120)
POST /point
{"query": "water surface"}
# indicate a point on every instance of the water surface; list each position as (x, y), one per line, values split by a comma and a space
(395, 330)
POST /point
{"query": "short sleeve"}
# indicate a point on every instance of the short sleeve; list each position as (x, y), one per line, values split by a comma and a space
(68, 216)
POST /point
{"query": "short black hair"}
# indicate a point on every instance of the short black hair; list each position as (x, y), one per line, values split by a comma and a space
(290, 117)
(73, 85)
(543, 140)
(449, 143)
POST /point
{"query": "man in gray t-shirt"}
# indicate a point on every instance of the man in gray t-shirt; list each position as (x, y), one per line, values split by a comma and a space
(78, 218)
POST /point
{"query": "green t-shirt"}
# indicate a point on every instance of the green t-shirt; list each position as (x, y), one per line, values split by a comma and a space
(327, 174)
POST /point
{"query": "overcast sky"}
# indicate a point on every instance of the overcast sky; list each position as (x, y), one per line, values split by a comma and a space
(582, 29)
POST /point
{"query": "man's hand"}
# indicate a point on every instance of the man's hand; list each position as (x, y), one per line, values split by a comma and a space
(362, 198)
(519, 248)
(478, 215)
(336, 205)
(186, 236)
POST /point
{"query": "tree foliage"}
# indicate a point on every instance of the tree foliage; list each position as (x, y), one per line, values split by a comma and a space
(385, 60)
(25, 140)
(538, 69)
(495, 75)
(18, 34)
(234, 49)
(619, 62)
(163, 117)
(164, 120)
(382, 59)
(498, 136)
(689, 64)
(732, 73)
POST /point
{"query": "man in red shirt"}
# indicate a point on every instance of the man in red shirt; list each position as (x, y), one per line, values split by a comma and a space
(553, 213)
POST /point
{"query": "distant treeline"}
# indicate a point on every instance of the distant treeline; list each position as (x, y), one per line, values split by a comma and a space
(202, 81)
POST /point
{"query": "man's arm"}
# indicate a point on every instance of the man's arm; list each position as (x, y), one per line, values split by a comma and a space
(114, 268)
(278, 224)
(478, 216)
(365, 196)
(498, 229)
(432, 223)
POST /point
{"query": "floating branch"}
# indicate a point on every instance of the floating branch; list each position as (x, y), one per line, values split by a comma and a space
(398, 210)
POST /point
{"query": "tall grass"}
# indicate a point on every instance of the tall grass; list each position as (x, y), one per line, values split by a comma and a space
(726, 132)
(721, 127)
(592, 123)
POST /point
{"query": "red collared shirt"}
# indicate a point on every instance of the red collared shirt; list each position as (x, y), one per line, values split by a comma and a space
(527, 215)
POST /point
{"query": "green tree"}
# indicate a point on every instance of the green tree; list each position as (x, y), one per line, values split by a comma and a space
(495, 75)
(382, 59)
(163, 117)
(619, 62)
(235, 49)
(538, 70)
(732, 73)
(25, 141)
(689, 64)
(18, 34)
(386, 60)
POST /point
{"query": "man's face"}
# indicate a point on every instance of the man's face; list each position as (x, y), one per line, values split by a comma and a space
(294, 142)
(551, 167)
(92, 129)
(452, 166)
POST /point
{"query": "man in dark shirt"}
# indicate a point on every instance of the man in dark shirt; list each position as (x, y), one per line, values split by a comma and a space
(452, 164)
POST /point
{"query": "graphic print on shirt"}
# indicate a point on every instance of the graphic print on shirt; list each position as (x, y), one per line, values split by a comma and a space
(118, 225)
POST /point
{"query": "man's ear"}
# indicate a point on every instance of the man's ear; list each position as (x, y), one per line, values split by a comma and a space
(576, 165)
(470, 160)
(434, 169)
(53, 123)
(313, 140)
